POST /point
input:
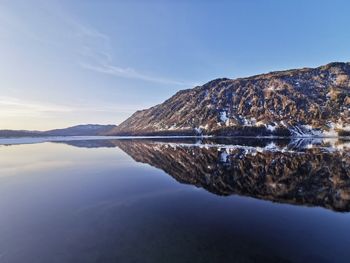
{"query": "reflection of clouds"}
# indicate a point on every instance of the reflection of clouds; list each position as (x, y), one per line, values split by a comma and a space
(12, 168)
(49, 157)
(135, 199)
(21, 159)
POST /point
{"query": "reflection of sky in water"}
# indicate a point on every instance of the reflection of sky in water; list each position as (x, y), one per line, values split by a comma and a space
(61, 203)
(23, 159)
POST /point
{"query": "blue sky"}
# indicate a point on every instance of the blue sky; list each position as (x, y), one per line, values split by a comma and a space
(72, 62)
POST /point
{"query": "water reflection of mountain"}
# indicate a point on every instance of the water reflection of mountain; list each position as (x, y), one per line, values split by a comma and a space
(305, 172)
(313, 176)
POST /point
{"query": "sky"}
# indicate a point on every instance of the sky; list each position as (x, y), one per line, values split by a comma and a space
(98, 61)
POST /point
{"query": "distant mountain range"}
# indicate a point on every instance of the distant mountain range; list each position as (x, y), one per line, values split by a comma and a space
(79, 130)
(299, 102)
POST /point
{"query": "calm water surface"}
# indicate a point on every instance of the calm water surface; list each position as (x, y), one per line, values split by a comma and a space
(175, 201)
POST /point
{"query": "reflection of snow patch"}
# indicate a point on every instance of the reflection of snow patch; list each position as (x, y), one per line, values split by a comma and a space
(334, 127)
(198, 130)
(271, 147)
(330, 133)
(271, 128)
(223, 157)
(305, 131)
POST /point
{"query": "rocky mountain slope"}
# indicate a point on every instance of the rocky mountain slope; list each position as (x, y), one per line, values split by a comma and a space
(299, 102)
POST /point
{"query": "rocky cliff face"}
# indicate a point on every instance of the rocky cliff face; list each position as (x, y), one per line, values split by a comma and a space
(309, 101)
(312, 176)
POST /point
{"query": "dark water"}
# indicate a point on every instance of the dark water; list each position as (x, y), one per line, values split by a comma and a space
(175, 201)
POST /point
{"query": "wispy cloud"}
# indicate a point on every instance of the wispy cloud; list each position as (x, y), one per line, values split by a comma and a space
(96, 52)
(131, 73)
(94, 49)
(19, 113)
(59, 37)
(11, 106)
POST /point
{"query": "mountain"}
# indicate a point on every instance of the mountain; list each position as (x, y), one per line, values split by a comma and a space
(78, 130)
(81, 130)
(298, 102)
(19, 133)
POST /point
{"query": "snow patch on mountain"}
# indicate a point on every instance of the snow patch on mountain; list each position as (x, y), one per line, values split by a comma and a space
(223, 116)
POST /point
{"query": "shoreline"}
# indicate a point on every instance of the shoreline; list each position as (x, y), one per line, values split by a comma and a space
(41, 139)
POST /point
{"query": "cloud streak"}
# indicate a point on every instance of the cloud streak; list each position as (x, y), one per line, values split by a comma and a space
(58, 36)
(16, 106)
(18, 113)
(92, 48)
(131, 73)
(97, 56)
(20, 107)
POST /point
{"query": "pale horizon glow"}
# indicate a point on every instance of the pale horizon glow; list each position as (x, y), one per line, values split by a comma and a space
(77, 62)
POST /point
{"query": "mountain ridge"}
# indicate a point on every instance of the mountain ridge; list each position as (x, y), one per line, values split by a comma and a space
(296, 102)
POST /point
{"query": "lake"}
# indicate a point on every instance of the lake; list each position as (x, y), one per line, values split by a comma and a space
(174, 200)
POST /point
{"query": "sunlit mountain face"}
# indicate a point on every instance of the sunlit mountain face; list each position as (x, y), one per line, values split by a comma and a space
(300, 102)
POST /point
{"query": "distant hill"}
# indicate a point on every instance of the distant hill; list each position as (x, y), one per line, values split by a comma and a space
(19, 133)
(299, 102)
(79, 130)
